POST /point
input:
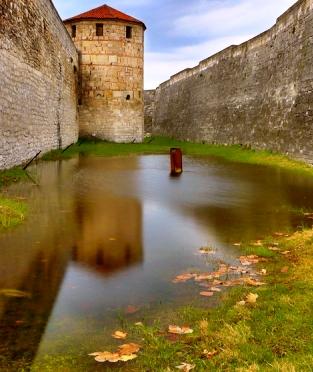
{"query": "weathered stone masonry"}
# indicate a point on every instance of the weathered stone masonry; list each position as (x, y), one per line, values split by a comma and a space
(38, 75)
(258, 94)
(111, 103)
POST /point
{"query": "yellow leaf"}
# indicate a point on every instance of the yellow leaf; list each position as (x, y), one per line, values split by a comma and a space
(126, 358)
(185, 367)
(119, 335)
(128, 349)
(179, 330)
(106, 356)
(251, 298)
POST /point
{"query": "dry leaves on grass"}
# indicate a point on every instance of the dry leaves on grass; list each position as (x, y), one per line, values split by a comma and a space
(285, 269)
(179, 330)
(251, 259)
(252, 282)
(125, 353)
(186, 367)
(119, 335)
(127, 349)
(251, 298)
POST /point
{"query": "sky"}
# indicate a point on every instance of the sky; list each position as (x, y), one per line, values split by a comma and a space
(180, 33)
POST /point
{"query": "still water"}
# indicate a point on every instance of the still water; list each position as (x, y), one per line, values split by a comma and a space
(106, 236)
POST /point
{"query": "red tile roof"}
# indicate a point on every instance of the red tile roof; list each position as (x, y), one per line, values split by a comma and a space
(105, 12)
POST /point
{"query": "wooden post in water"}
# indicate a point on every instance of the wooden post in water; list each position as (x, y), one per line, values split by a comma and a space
(176, 162)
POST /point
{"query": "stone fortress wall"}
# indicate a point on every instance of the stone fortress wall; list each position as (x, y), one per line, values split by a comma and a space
(111, 103)
(38, 81)
(258, 94)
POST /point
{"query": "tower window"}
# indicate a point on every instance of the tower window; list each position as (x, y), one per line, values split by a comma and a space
(129, 32)
(99, 29)
(128, 97)
(74, 31)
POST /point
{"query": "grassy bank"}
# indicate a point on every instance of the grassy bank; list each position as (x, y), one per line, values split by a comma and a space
(273, 334)
(12, 213)
(161, 145)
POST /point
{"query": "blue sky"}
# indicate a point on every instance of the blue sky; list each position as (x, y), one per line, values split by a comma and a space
(180, 33)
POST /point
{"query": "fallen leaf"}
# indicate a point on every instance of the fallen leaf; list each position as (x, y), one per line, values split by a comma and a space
(126, 358)
(128, 349)
(205, 276)
(185, 367)
(215, 289)
(251, 298)
(285, 253)
(209, 354)
(112, 239)
(252, 282)
(119, 335)
(285, 269)
(179, 330)
(183, 278)
(106, 356)
(207, 294)
(263, 272)
(237, 244)
(139, 324)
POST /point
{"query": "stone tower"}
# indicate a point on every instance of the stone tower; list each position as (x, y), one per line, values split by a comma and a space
(111, 48)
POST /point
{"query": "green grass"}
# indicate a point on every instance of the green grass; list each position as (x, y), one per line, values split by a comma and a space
(161, 145)
(12, 213)
(10, 176)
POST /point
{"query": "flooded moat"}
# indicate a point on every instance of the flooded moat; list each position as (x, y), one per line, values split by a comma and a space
(106, 236)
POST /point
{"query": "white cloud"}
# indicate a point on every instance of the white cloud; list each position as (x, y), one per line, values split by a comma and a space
(221, 19)
(219, 25)
(161, 66)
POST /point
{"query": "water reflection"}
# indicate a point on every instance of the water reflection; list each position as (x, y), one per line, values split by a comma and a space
(107, 233)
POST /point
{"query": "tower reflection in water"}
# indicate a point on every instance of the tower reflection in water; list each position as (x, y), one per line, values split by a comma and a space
(109, 233)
